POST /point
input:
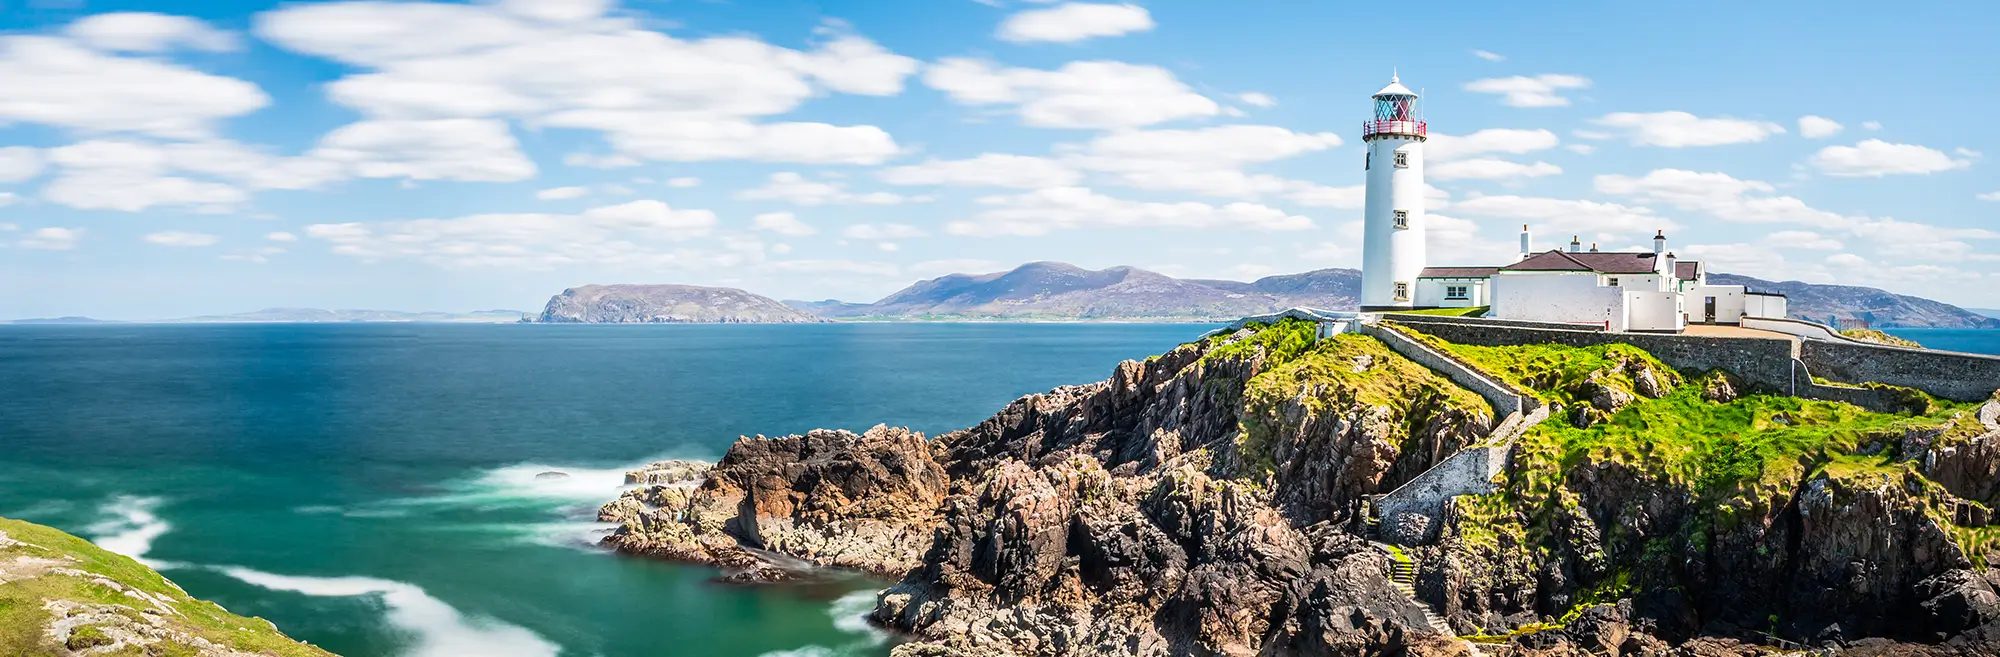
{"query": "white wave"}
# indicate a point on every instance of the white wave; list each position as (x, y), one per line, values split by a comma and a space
(130, 527)
(441, 630)
(327, 509)
(808, 651)
(850, 614)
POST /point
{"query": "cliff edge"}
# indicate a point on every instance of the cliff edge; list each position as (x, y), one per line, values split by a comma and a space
(61, 596)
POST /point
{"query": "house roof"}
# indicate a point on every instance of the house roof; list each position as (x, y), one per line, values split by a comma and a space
(1457, 272)
(1600, 262)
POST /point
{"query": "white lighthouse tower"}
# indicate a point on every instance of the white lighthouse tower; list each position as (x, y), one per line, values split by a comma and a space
(1392, 249)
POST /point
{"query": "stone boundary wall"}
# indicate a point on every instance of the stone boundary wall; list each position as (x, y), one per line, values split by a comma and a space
(1505, 399)
(1948, 374)
(1488, 321)
(1801, 328)
(1761, 362)
(1410, 513)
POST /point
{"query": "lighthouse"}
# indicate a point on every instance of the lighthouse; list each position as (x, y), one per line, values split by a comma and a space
(1392, 247)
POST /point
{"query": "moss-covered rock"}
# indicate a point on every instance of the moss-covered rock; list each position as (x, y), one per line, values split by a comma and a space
(60, 596)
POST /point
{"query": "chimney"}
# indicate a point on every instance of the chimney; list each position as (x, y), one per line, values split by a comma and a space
(1659, 242)
(1593, 247)
(1527, 246)
(1673, 284)
(1575, 244)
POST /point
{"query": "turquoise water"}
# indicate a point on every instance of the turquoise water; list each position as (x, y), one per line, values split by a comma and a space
(371, 488)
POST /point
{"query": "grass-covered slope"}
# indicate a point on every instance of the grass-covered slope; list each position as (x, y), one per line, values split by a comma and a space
(1699, 504)
(61, 595)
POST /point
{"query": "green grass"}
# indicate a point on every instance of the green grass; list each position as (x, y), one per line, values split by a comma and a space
(22, 616)
(1281, 342)
(1475, 311)
(1878, 337)
(1556, 373)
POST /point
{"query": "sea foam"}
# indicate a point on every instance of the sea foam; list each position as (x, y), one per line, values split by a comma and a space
(130, 526)
(441, 630)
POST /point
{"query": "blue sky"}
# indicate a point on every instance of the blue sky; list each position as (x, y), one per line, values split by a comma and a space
(160, 159)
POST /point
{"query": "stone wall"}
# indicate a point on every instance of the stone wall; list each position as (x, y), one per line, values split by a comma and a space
(1409, 513)
(1505, 399)
(1763, 362)
(1948, 374)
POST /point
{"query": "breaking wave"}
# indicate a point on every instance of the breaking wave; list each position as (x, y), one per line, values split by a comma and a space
(441, 630)
(130, 526)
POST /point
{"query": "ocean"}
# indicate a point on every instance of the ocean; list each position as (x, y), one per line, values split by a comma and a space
(371, 487)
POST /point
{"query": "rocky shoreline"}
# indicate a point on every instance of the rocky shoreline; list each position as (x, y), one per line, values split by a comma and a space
(1213, 501)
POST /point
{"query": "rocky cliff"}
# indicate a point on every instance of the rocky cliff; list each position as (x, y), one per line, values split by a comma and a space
(60, 596)
(667, 304)
(1214, 500)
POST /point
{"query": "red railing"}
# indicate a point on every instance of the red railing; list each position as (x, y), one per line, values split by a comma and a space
(1370, 128)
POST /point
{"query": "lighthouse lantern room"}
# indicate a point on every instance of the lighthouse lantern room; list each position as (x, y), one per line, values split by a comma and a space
(1392, 250)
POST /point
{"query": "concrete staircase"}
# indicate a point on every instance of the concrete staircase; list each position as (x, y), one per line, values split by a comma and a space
(1403, 576)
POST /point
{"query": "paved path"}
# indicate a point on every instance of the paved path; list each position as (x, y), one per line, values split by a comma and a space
(1719, 331)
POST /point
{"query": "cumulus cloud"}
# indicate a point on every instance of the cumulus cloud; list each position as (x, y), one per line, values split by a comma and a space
(1255, 99)
(1681, 129)
(1491, 140)
(1521, 91)
(281, 236)
(1088, 94)
(986, 170)
(1990, 196)
(794, 188)
(1874, 158)
(436, 149)
(58, 82)
(52, 238)
(149, 33)
(684, 182)
(1490, 169)
(635, 233)
(561, 193)
(1061, 208)
(651, 95)
(783, 223)
(1818, 127)
(18, 163)
(1071, 22)
(1719, 195)
(182, 238)
(1605, 221)
(1802, 239)
(1207, 161)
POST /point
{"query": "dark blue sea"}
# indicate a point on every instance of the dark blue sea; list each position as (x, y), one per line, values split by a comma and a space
(371, 488)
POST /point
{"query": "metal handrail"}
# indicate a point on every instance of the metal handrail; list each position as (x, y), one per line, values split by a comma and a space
(1394, 127)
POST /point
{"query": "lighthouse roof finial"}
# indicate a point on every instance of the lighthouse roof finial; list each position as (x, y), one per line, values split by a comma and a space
(1395, 88)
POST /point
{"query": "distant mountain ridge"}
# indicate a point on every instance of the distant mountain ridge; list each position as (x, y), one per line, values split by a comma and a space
(667, 304)
(1055, 290)
(1881, 309)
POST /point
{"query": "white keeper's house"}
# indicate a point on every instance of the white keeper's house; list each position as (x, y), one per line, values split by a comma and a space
(1642, 291)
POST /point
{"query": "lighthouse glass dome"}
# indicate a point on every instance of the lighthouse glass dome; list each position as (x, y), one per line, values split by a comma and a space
(1396, 112)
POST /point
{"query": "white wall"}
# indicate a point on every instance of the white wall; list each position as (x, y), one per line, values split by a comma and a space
(1557, 297)
(1653, 310)
(1390, 254)
(1764, 305)
(1728, 303)
(1637, 282)
(1431, 293)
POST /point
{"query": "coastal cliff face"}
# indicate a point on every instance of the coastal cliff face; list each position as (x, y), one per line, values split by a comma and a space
(1211, 501)
(60, 596)
(667, 304)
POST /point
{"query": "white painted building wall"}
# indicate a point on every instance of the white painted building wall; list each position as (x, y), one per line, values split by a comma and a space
(1653, 310)
(1557, 297)
(1765, 305)
(1728, 304)
(1432, 292)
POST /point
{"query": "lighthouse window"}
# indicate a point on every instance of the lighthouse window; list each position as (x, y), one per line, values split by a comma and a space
(1455, 292)
(1402, 291)
(1402, 218)
(1368, 161)
(1402, 160)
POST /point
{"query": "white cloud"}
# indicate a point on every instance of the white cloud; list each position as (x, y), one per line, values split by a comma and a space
(1074, 21)
(1872, 125)
(1538, 91)
(6, 199)
(986, 170)
(613, 161)
(1092, 94)
(1721, 196)
(1255, 99)
(440, 149)
(934, 268)
(1352, 197)
(1581, 149)
(1061, 208)
(650, 94)
(783, 223)
(1818, 127)
(1802, 239)
(52, 239)
(634, 233)
(1681, 129)
(130, 177)
(1490, 169)
(881, 232)
(182, 238)
(1489, 56)
(1491, 140)
(1990, 196)
(149, 33)
(1606, 221)
(281, 236)
(684, 182)
(1875, 158)
(1207, 161)
(18, 163)
(561, 193)
(793, 188)
(55, 82)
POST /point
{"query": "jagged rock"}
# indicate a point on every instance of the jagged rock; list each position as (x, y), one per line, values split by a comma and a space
(1721, 387)
(668, 472)
(1958, 600)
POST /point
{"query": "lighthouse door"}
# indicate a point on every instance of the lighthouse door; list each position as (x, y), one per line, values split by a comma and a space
(1708, 310)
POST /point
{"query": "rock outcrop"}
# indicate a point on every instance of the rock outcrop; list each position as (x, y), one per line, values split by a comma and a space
(667, 304)
(1214, 500)
(60, 596)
